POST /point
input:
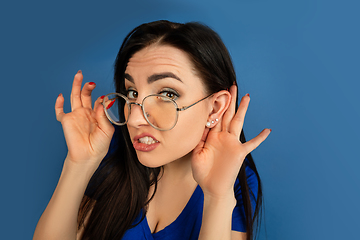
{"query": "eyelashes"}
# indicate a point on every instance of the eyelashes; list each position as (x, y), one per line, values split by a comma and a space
(132, 94)
(170, 93)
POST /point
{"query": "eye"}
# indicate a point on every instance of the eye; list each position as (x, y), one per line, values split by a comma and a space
(132, 94)
(170, 94)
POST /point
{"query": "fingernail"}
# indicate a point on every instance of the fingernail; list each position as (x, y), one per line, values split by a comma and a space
(248, 95)
(102, 97)
(60, 95)
(79, 71)
(110, 104)
(91, 83)
(270, 129)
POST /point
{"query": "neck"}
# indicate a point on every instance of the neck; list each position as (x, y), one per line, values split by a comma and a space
(176, 176)
(178, 170)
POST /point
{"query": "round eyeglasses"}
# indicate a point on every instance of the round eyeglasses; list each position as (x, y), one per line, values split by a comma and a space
(160, 111)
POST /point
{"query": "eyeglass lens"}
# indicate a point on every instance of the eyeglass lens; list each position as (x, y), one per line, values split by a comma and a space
(159, 111)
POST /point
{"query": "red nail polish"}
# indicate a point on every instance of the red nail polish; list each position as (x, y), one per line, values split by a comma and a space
(110, 104)
(102, 97)
(79, 71)
(248, 95)
(270, 129)
(91, 83)
(60, 95)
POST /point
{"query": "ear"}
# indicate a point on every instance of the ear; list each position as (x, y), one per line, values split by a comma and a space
(220, 102)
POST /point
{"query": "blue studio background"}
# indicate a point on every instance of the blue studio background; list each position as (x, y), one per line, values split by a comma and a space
(299, 61)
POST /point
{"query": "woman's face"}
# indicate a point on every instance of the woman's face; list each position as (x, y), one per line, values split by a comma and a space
(168, 71)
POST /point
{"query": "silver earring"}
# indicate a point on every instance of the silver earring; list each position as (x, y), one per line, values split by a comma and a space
(208, 124)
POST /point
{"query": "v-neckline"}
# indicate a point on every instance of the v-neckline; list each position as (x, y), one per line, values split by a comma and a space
(189, 205)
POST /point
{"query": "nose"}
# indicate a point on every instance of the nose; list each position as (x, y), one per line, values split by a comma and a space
(136, 117)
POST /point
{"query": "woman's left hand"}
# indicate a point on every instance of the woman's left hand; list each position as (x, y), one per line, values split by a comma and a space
(217, 159)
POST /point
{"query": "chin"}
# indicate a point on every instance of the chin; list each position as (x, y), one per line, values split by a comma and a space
(149, 162)
(150, 165)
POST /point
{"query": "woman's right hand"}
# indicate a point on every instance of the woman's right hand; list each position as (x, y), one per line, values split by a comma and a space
(87, 130)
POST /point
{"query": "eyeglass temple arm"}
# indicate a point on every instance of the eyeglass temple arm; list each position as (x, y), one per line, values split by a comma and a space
(186, 107)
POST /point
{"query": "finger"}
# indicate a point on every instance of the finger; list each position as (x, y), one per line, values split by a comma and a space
(109, 104)
(103, 122)
(256, 141)
(205, 134)
(98, 102)
(229, 114)
(237, 122)
(59, 107)
(218, 125)
(75, 97)
(86, 94)
(202, 142)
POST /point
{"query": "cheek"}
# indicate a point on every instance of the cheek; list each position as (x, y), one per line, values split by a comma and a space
(185, 136)
(177, 142)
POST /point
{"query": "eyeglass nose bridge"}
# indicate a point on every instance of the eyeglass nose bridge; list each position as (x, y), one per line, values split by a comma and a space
(139, 104)
(146, 115)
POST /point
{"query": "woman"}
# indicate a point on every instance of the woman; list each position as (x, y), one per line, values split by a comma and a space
(176, 168)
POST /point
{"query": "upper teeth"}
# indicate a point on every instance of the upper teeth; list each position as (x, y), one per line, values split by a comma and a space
(147, 140)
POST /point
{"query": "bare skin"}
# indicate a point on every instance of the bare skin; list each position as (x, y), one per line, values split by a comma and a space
(212, 160)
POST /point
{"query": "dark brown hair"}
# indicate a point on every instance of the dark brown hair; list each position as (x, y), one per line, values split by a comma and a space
(118, 191)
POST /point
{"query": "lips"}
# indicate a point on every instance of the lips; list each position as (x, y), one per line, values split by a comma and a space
(145, 142)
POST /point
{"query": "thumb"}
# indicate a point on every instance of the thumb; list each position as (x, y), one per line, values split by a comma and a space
(103, 122)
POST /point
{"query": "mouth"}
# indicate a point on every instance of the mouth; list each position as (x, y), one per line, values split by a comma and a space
(145, 142)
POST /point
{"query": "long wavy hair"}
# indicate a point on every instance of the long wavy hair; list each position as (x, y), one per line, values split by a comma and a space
(118, 191)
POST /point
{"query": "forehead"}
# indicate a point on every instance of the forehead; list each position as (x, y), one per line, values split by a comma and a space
(161, 55)
(158, 59)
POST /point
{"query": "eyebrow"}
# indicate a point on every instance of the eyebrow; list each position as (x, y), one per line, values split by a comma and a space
(155, 77)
